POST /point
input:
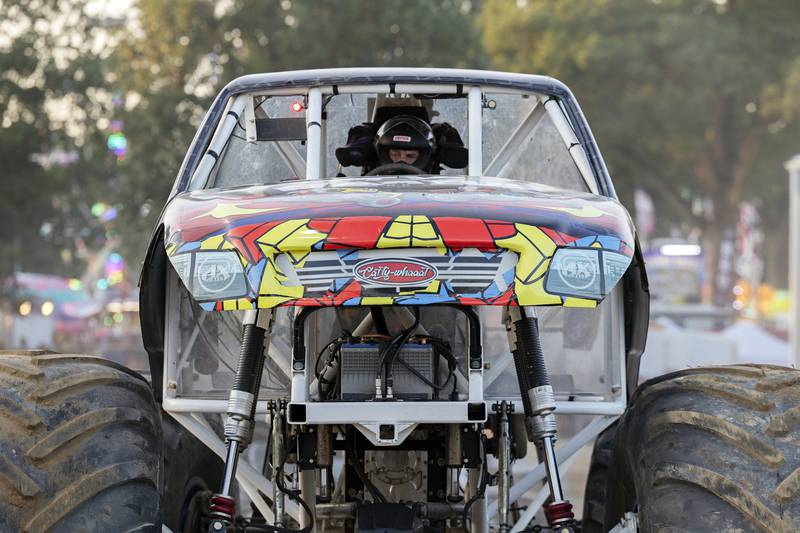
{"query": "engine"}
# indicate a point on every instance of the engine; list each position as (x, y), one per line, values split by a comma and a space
(371, 359)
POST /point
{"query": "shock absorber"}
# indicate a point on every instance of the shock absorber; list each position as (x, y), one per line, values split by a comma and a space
(538, 402)
(242, 399)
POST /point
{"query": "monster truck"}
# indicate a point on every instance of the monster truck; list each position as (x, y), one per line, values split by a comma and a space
(365, 321)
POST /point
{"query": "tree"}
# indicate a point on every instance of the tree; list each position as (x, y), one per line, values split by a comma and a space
(52, 76)
(689, 99)
(331, 33)
(166, 68)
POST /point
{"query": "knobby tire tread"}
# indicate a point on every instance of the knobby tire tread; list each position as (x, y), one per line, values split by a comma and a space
(709, 449)
(80, 448)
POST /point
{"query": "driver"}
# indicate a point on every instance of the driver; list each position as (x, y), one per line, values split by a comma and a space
(403, 139)
(406, 139)
(398, 155)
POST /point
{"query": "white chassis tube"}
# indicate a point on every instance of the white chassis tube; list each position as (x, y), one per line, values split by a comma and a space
(314, 134)
(571, 142)
(432, 410)
(221, 136)
(508, 150)
(475, 109)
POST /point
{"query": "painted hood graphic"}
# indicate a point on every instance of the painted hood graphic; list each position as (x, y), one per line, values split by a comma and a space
(476, 241)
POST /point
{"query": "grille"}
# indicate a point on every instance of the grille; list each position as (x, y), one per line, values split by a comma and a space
(359, 365)
(468, 271)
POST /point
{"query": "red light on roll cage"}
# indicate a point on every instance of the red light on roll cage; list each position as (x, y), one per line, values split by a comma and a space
(297, 106)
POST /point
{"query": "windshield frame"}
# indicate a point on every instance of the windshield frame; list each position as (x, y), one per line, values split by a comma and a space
(317, 82)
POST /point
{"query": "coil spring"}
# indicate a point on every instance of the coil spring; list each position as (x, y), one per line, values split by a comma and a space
(558, 512)
(222, 507)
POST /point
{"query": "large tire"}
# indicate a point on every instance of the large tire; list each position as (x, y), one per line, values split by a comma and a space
(80, 445)
(710, 449)
(595, 495)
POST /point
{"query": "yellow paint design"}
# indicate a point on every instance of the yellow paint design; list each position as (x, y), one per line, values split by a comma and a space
(293, 237)
(223, 210)
(432, 288)
(298, 258)
(265, 302)
(534, 248)
(408, 231)
(579, 302)
(377, 300)
(279, 233)
(534, 294)
(540, 270)
(398, 230)
(212, 243)
(271, 283)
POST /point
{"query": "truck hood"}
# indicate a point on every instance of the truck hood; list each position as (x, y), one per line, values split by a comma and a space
(392, 240)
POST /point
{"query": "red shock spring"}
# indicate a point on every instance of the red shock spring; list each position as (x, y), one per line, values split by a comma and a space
(558, 512)
(223, 507)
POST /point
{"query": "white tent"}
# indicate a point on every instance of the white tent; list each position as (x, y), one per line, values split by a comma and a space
(756, 345)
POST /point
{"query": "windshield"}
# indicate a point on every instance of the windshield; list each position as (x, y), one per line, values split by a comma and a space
(519, 138)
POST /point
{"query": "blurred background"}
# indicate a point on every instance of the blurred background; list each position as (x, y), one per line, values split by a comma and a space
(694, 104)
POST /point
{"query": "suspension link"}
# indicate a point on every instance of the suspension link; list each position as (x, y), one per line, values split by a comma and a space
(453, 463)
(504, 410)
(325, 462)
(278, 451)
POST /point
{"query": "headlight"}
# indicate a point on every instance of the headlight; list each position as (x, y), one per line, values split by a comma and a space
(211, 275)
(585, 272)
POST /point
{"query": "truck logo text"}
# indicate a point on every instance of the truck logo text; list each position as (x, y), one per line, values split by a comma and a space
(395, 272)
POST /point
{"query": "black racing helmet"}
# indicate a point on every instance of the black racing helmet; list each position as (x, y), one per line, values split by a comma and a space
(406, 132)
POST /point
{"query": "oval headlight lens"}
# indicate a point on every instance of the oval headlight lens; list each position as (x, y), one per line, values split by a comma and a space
(211, 275)
(585, 272)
